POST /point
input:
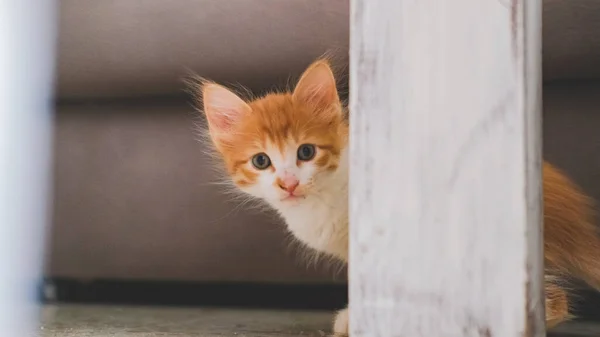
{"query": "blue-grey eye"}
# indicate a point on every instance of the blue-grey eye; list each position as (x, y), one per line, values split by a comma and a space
(306, 152)
(261, 161)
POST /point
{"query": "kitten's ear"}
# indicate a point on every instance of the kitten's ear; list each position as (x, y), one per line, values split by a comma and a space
(223, 108)
(317, 86)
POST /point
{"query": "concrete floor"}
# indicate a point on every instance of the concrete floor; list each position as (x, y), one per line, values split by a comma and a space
(113, 321)
(104, 321)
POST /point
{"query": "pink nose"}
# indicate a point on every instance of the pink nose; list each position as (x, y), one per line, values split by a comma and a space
(289, 183)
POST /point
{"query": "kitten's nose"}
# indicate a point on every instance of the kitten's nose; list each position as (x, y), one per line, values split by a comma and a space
(288, 183)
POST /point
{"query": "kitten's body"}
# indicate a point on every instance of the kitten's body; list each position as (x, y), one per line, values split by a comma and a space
(311, 194)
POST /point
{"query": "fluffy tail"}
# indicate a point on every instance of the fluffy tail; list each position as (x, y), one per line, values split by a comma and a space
(572, 243)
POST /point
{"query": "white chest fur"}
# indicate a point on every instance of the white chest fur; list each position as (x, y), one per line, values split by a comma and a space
(321, 225)
(321, 220)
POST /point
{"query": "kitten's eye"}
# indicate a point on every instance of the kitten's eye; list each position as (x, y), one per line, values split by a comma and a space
(306, 152)
(261, 161)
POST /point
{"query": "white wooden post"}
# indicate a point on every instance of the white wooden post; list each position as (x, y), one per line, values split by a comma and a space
(445, 190)
(27, 45)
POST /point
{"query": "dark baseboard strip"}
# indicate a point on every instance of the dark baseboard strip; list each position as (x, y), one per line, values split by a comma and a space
(272, 296)
(576, 329)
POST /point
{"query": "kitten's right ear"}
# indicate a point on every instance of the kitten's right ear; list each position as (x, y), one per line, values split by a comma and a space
(317, 86)
(223, 109)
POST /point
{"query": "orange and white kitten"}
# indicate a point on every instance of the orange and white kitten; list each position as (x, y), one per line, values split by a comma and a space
(291, 150)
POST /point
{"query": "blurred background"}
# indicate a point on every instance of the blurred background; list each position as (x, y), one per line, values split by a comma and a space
(135, 218)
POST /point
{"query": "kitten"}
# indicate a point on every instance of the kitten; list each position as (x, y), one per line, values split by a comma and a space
(291, 150)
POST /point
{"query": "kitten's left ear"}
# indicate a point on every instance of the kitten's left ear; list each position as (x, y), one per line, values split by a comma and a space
(317, 86)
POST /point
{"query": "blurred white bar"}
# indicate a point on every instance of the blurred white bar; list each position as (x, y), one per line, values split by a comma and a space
(27, 53)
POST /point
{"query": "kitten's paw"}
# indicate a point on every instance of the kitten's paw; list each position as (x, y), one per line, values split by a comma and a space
(340, 323)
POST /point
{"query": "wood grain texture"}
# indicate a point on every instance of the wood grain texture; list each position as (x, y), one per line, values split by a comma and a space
(445, 188)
